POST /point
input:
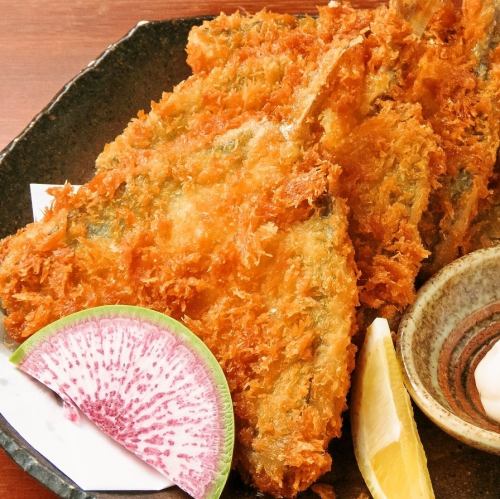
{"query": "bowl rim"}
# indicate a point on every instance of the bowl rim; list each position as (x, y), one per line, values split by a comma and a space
(457, 427)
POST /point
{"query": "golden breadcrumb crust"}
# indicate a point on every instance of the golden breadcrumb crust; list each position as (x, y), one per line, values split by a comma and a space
(205, 210)
(232, 205)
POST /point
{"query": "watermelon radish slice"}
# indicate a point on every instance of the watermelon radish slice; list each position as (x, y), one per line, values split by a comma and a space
(146, 381)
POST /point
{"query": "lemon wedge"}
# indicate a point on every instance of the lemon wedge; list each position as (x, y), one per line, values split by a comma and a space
(388, 450)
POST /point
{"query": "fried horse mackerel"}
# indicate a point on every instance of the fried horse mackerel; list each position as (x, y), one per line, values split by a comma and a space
(203, 210)
(232, 205)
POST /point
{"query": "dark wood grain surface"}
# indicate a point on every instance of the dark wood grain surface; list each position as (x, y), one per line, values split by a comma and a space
(43, 44)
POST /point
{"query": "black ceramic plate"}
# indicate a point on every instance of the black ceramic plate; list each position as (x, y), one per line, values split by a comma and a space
(62, 143)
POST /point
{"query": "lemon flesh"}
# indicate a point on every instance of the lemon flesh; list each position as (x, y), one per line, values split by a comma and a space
(388, 450)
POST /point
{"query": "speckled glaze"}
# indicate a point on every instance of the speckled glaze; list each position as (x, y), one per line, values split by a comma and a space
(441, 339)
(62, 143)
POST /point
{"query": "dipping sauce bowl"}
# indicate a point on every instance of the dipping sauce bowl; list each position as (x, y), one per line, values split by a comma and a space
(454, 321)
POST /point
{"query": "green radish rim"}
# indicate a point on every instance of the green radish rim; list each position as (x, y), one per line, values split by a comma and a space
(189, 339)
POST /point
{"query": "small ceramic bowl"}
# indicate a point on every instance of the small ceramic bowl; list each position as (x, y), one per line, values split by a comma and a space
(454, 321)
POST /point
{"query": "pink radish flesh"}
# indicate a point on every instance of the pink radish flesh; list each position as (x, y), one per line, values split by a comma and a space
(145, 386)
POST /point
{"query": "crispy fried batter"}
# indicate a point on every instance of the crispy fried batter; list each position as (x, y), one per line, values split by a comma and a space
(458, 90)
(448, 68)
(223, 208)
(417, 12)
(205, 211)
(387, 176)
(388, 155)
(255, 261)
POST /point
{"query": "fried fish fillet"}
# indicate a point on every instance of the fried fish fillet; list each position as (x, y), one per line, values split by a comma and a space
(389, 168)
(205, 210)
(223, 207)
(390, 157)
(446, 70)
(457, 86)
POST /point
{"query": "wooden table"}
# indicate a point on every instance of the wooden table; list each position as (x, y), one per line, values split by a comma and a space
(44, 44)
